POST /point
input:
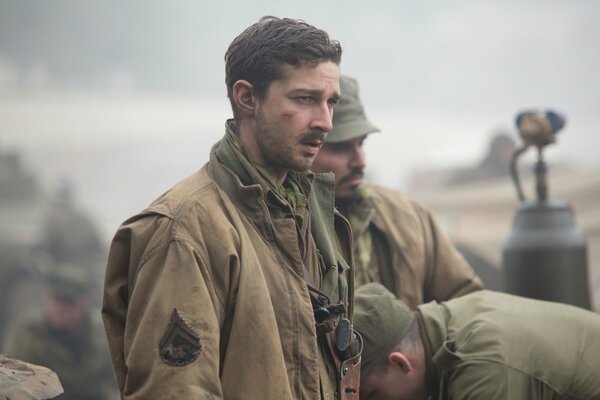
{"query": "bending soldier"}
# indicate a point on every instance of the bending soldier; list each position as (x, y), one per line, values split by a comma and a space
(67, 337)
(482, 346)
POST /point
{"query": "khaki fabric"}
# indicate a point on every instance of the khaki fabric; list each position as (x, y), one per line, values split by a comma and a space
(210, 249)
(399, 244)
(493, 346)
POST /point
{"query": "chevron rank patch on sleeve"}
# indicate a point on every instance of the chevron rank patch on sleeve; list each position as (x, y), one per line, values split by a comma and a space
(180, 345)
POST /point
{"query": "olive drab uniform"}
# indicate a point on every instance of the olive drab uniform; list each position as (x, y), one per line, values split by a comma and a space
(399, 244)
(81, 361)
(490, 346)
(207, 290)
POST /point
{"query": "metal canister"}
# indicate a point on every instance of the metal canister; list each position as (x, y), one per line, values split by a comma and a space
(545, 255)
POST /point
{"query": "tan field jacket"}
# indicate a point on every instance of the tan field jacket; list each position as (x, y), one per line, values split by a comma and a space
(205, 295)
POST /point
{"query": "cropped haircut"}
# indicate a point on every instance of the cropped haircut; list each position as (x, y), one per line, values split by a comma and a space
(258, 54)
(408, 344)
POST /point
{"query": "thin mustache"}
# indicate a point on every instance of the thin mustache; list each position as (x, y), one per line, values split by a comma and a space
(313, 136)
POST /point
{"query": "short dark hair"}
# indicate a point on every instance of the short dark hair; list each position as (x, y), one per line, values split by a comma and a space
(258, 53)
(408, 344)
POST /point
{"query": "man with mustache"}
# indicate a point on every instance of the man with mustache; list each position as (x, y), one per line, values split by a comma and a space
(232, 284)
(396, 240)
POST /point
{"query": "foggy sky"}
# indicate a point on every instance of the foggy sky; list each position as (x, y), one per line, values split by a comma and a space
(126, 97)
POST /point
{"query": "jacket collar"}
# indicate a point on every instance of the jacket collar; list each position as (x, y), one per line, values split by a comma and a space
(232, 154)
(362, 210)
(246, 196)
(379, 212)
(439, 350)
(235, 174)
(322, 204)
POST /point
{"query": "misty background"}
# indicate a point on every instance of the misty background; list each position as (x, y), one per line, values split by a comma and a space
(121, 99)
(106, 104)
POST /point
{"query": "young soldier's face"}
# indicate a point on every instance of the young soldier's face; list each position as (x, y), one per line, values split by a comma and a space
(294, 117)
(347, 161)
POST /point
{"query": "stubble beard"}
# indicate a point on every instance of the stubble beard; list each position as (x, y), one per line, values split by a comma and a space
(279, 154)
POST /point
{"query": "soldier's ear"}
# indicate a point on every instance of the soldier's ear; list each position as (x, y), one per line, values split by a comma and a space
(244, 98)
(400, 360)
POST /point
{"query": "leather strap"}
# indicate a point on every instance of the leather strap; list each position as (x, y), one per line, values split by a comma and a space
(349, 385)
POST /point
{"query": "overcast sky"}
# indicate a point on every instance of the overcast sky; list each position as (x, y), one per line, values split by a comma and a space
(125, 97)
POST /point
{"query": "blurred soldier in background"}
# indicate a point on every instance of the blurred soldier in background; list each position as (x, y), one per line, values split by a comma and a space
(68, 337)
(397, 241)
(22, 204)
(38, 231)
(69, 235)
(21, 282)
